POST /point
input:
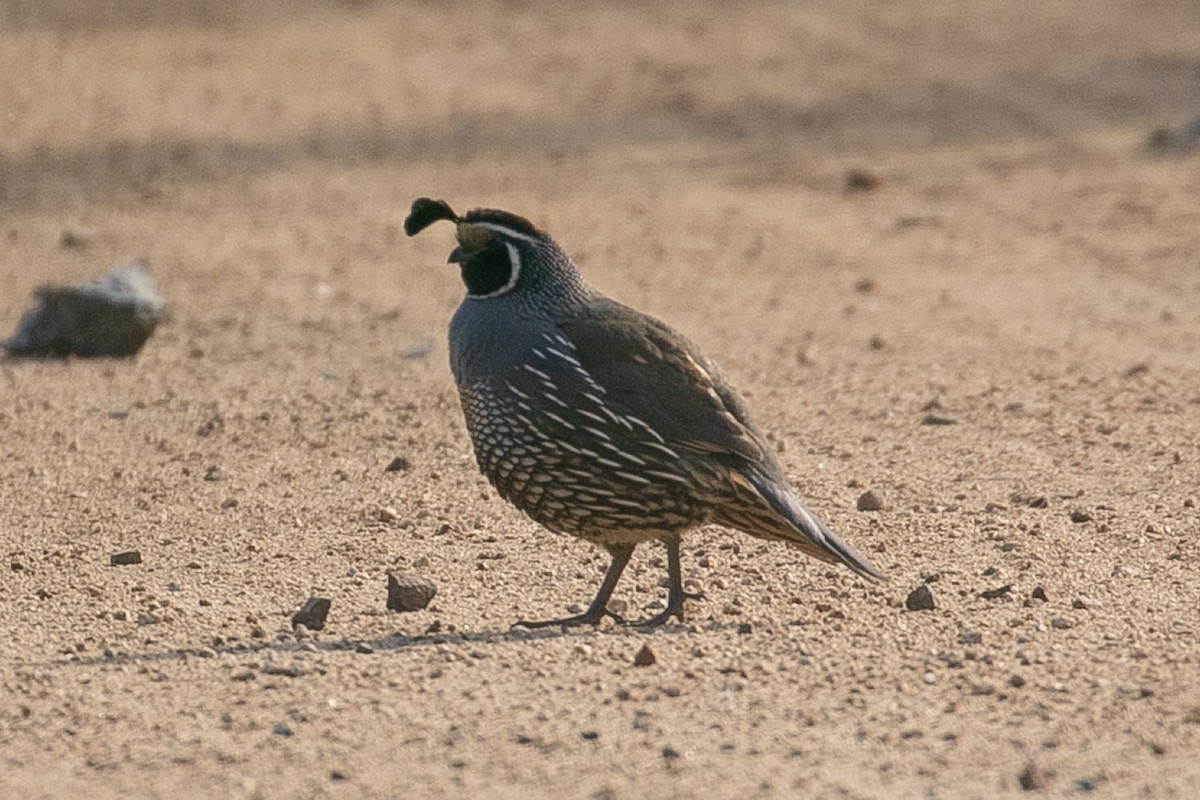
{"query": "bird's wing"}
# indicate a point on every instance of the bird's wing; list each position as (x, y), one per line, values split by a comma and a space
(652, 373)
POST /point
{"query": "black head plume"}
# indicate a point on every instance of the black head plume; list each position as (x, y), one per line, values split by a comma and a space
(425, 212)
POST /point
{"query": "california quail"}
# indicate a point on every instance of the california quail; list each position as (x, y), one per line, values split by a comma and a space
(599, 421)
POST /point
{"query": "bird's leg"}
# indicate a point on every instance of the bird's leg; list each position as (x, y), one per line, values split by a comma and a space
(676, 596)
(598, 610)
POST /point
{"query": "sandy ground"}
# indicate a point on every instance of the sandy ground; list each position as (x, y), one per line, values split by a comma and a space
(1023, 266)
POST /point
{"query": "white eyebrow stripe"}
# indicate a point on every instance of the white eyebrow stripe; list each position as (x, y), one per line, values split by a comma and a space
(504, 230)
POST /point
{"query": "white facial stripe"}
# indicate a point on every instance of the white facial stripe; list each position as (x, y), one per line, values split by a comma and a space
(514, 260)
(506, 231)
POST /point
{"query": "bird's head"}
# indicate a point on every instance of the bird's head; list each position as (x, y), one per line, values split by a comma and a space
(498, 252)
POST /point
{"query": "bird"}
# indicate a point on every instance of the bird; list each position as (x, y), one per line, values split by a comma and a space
(601, 422)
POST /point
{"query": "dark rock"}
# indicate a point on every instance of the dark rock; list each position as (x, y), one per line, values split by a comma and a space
(125, 559)
(399, 464)
(745, 629)
(860, 180)
(937, 419)
(869, 501)
(109, 317)
(993, 594)
(645, 657)
(1079, 516)
(920, 599)
(408, 591)
(1039, 593)
(313, 613)
(1031, 778)
(1179, 139)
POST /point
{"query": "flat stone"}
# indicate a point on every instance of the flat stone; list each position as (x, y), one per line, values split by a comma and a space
(125, 558)
(109, 317)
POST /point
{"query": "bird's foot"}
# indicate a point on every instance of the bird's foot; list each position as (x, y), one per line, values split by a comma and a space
(590, 617)
(674, 609)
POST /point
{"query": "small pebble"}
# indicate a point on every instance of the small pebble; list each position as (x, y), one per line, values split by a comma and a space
(1039, 593)
(398, 464)
(998, 592)
(125, 559)
(970, 637)
(869, 501)
(1079, 516)
(1031, 779)
(860, 180)
(937, 419)
(313, 613)
(645, 657)
(408, 591)
(920, 599)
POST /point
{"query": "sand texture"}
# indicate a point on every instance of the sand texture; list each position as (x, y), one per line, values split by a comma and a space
(931, 242)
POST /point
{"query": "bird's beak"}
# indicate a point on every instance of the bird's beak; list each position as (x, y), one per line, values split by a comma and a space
(456, 256)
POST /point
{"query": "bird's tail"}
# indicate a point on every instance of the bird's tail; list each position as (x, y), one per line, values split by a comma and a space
(772, 511)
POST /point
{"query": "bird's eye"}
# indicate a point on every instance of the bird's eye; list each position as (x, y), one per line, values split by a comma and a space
(492, 270)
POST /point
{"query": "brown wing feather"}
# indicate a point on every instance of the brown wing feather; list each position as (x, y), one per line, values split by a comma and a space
(658, 376)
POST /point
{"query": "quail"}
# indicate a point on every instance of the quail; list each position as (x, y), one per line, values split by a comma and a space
(599, 421)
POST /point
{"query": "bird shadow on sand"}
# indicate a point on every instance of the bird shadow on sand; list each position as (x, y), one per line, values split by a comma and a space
(393, 642)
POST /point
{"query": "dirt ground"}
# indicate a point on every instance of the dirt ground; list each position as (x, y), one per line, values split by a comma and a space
(1011, 256)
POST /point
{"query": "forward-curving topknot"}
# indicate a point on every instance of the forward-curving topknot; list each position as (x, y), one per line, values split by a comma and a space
(425, 212)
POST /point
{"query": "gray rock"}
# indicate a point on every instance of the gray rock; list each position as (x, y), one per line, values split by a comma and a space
(111, 316)
(409, 591)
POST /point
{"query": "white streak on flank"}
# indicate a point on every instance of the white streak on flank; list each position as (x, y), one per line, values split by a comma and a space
(583, 473)
(664, 449)
(535, 371)
(608, 462)
(623, 454)
(559, 420)
(564, 356)
(521, 404)
(621, 501)
(592, 416)
(551, 385)
(539, 353)
(598, 433)
(514, 261)
(554, 398)
(587, 376)
(646, 427)
(566, 446)
(516, 391)
(671, 476)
